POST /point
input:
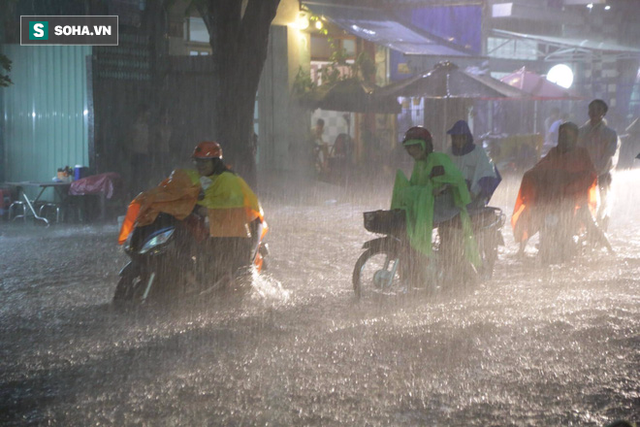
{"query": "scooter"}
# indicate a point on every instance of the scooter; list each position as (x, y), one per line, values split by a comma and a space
(384, 269)
(167, 261)
(565, 231)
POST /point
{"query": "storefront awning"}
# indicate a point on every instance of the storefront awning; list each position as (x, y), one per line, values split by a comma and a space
(383, 28)
(571, 48)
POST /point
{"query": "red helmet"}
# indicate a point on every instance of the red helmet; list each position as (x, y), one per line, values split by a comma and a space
(207, 150)
(418, 132)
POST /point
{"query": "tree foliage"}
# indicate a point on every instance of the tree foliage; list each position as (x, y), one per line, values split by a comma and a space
(303, 83)
(5, 64)
(7, 9)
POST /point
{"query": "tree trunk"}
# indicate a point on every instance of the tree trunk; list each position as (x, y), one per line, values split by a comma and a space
(239, 40)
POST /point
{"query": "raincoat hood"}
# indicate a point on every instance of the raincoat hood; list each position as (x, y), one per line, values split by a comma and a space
(462, 128)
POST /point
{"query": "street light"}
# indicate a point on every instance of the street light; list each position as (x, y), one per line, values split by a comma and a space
(562, 75)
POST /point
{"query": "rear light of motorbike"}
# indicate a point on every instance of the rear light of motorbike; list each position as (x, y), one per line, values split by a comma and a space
(258, 261)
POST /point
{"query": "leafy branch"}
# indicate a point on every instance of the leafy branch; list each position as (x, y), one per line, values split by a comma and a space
(302, 83)
(5, 64)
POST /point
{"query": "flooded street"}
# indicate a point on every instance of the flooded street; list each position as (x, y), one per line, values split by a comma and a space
(554, 345)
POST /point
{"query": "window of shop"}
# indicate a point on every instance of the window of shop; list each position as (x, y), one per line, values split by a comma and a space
(196, 37)
(321, 48)
(196, 30)
(499, 47)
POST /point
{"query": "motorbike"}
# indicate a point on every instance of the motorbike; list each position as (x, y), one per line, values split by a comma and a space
(384, 268)
(559, 233)
(565, 231)
(166, 254)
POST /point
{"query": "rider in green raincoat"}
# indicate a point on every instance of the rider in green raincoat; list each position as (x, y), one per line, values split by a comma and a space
(435, 193)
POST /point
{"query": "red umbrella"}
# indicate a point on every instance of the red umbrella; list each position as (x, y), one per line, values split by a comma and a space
(536, 85)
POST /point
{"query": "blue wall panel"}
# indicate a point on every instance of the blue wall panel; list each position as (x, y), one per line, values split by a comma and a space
(460, 24)
(44, 113)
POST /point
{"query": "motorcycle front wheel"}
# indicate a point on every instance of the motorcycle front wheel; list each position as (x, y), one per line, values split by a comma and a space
(488, 247)
(133, 286)
(556, 245)
(377, 272)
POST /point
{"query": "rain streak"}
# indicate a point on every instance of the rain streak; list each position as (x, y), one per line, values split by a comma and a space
(320, 213)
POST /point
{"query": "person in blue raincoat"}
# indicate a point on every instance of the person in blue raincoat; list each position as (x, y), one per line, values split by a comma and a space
(472, 160)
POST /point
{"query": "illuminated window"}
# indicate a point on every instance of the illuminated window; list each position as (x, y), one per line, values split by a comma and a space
(197, 30)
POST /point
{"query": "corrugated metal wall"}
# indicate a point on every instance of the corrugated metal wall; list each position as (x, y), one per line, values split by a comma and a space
(44, 113)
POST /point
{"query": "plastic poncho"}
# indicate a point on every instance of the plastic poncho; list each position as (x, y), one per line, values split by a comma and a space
(555, 178)
(231, 203)
(415, 197)
(176, 195)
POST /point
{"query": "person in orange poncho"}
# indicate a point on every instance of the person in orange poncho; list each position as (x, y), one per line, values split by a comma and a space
(564, 175)
(212, 191)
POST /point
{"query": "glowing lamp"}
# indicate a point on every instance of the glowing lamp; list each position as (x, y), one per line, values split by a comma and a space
(302, 22)
(562, 75)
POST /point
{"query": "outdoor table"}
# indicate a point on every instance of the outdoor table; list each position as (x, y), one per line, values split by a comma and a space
(61, 188)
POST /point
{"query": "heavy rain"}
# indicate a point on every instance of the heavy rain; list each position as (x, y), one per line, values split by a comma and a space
(129, 308)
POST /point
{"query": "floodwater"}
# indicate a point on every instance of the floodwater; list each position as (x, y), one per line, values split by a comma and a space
(537, 345)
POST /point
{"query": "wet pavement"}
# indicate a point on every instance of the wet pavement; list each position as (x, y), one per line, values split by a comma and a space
(556, 345)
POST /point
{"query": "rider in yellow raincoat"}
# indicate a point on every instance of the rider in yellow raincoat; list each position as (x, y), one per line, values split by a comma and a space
(212, 191)
(436, 192)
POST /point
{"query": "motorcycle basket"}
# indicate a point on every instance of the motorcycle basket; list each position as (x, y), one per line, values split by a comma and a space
(385, 222)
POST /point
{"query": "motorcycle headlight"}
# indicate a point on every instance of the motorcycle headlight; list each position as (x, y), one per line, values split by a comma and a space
(156, 240)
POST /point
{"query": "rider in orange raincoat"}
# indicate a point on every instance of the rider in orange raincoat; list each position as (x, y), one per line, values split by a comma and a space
(214, 192)
(565, 174)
